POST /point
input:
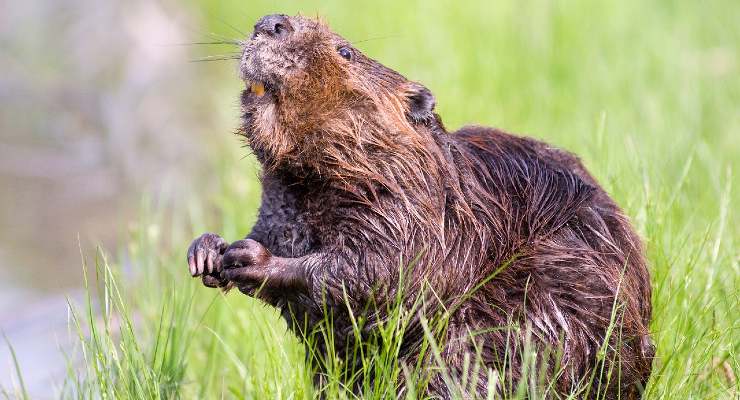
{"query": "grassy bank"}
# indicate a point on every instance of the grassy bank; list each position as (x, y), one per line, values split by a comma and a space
(646, 93)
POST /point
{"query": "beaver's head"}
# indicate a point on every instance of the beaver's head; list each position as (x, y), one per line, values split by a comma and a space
(311, 97)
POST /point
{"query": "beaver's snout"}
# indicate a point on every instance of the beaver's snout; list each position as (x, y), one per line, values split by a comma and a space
(269, 55)
(276, 25)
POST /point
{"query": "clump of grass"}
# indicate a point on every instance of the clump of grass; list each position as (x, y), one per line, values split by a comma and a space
(122, 357)
(183, 348)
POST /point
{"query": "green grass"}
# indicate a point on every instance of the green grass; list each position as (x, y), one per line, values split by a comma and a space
(647, 93)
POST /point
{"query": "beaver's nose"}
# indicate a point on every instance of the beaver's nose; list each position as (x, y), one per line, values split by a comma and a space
(276, 25)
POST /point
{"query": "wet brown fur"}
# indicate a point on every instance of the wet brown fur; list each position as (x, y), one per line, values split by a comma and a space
(361, 176)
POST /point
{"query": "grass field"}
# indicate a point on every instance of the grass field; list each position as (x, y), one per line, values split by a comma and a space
(647, 93)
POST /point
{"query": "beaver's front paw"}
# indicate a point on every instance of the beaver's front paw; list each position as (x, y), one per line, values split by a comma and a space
(205, 258)
(246, 263)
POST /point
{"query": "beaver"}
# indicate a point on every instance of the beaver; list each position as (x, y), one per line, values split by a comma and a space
(360, 176)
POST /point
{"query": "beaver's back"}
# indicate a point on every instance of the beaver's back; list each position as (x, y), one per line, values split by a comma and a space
(575, 253)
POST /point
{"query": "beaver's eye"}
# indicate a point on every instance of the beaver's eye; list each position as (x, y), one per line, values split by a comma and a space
(345, 52)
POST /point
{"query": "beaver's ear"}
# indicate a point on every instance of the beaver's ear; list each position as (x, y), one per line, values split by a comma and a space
(421, 102)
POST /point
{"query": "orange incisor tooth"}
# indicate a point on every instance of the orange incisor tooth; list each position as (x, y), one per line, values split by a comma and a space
(257, 88)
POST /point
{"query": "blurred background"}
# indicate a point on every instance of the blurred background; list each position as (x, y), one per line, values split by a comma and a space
(103, 105)
(109, 106)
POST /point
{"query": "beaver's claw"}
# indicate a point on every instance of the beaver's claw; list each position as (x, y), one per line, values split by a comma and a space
(205, 257)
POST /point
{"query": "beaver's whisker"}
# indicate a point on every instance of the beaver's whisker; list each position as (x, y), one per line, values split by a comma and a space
(226, 42)
(375, 38)
(213, 37)
(217, 37)
(218, 57)
(220, 42)
(237, 30)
